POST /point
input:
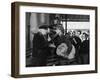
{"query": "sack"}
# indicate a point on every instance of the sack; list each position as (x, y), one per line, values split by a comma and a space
(62, 51)
(72, 53)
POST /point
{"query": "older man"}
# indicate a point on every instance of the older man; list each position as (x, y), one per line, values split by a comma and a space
(40, 47)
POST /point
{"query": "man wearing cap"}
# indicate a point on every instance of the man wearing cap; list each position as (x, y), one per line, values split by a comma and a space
(40, 47)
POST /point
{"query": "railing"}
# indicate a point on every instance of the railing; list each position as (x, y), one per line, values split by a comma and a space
(29, 52)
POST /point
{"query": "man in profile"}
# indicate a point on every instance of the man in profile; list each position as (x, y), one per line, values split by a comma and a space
(40, 49)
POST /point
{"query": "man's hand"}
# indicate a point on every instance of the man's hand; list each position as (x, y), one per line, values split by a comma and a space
(52, 45)
(49, 39)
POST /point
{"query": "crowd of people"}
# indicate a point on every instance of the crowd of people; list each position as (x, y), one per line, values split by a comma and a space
(68, 48)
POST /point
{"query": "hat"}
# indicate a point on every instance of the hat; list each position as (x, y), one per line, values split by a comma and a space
(53, 26)
(44, 27)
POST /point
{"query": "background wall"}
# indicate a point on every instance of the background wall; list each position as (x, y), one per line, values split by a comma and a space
(5, 40)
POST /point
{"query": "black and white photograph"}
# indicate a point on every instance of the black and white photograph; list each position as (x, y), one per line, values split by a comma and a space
(57, 39)
(51, 39)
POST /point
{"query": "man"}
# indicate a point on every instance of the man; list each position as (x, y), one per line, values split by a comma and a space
(40, 47)
(79, 34)
(84, 49)
(63, 47)
(76, 41)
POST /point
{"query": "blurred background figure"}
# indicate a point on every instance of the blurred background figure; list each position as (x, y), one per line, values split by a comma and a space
(76, 41)
(79, 34)
(84, 49)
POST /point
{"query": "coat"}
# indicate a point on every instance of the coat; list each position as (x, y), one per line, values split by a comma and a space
(40, 50)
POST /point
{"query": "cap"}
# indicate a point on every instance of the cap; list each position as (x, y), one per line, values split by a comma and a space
(44, 27)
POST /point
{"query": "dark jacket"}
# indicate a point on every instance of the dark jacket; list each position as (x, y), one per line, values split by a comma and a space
(40, 46)
(84, 47)
(76, 41)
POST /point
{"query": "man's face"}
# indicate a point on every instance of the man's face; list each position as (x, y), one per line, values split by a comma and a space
(58, 31)
(43, 31)
(84, 37)
(73, 33)
(78, 34)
